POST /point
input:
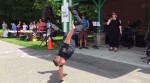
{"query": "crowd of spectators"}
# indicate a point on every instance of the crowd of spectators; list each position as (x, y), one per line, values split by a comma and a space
(39, 25)
(16, 28)
(114, 27)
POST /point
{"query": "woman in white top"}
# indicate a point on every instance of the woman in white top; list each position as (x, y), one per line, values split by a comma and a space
(4, 25)
(31, 26)
(24, 26)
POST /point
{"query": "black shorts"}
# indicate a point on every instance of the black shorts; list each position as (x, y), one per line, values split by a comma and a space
(65, 51)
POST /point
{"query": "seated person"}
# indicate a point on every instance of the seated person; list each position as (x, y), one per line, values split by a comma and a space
(31, 26)
(41, 25)
(14, 28)
(24, 26)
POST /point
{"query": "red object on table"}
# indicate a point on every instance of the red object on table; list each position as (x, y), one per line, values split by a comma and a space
(19, 29)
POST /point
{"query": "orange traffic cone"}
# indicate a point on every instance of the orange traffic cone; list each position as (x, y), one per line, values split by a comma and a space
(50, 44)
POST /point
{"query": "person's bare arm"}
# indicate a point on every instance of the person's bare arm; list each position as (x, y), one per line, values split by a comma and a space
(120, 27)
(109, 21)
(88, 26)
(69, 35)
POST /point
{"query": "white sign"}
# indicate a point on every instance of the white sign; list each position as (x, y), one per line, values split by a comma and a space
(64, 12)
(95, 23)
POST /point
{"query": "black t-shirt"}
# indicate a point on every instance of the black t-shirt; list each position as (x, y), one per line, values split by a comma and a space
(114, 25)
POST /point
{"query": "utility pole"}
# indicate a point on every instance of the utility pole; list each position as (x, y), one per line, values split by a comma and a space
(66, 15)
(99, 6)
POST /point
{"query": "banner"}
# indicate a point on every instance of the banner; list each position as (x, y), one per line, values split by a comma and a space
(64, 12)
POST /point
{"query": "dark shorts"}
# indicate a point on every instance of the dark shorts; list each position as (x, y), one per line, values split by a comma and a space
(83, 35)
(65, 51)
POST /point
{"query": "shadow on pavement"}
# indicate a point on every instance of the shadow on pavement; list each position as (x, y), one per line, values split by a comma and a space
(98, 66)
(54, 78)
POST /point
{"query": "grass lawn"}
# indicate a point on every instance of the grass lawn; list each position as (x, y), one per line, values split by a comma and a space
(28, 44)
(1, 31)
(34, 45)
(61, 37)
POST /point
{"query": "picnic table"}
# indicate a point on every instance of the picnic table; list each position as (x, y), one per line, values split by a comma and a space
(28, 34)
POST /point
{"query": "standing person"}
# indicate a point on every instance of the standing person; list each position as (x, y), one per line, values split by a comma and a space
(68, 46)
(83, 33)
(48, 24)
(114, 32)
(48, 27)
(24, 26)
(4, 26)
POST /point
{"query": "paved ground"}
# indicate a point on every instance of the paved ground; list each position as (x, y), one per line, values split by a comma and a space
(124, 55)
(22, 65)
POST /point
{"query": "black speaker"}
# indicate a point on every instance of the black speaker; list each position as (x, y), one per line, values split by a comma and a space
(140, 41)
(48, 13)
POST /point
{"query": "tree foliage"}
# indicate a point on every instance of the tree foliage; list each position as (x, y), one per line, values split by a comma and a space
(89, 10)
(41, 4)
(18, 10)
(29, 10)
(26, 10)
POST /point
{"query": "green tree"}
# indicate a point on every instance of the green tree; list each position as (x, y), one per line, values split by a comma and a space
(42, 4)
(18, 10)
(89, 10)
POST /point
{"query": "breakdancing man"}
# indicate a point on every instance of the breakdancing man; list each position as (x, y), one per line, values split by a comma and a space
(68, 46)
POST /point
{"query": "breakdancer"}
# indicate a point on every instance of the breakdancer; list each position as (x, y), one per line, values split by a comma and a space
(68, 46)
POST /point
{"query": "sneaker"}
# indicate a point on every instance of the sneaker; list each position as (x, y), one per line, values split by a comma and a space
(115, 50)
(80, 47)
(111, 49)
